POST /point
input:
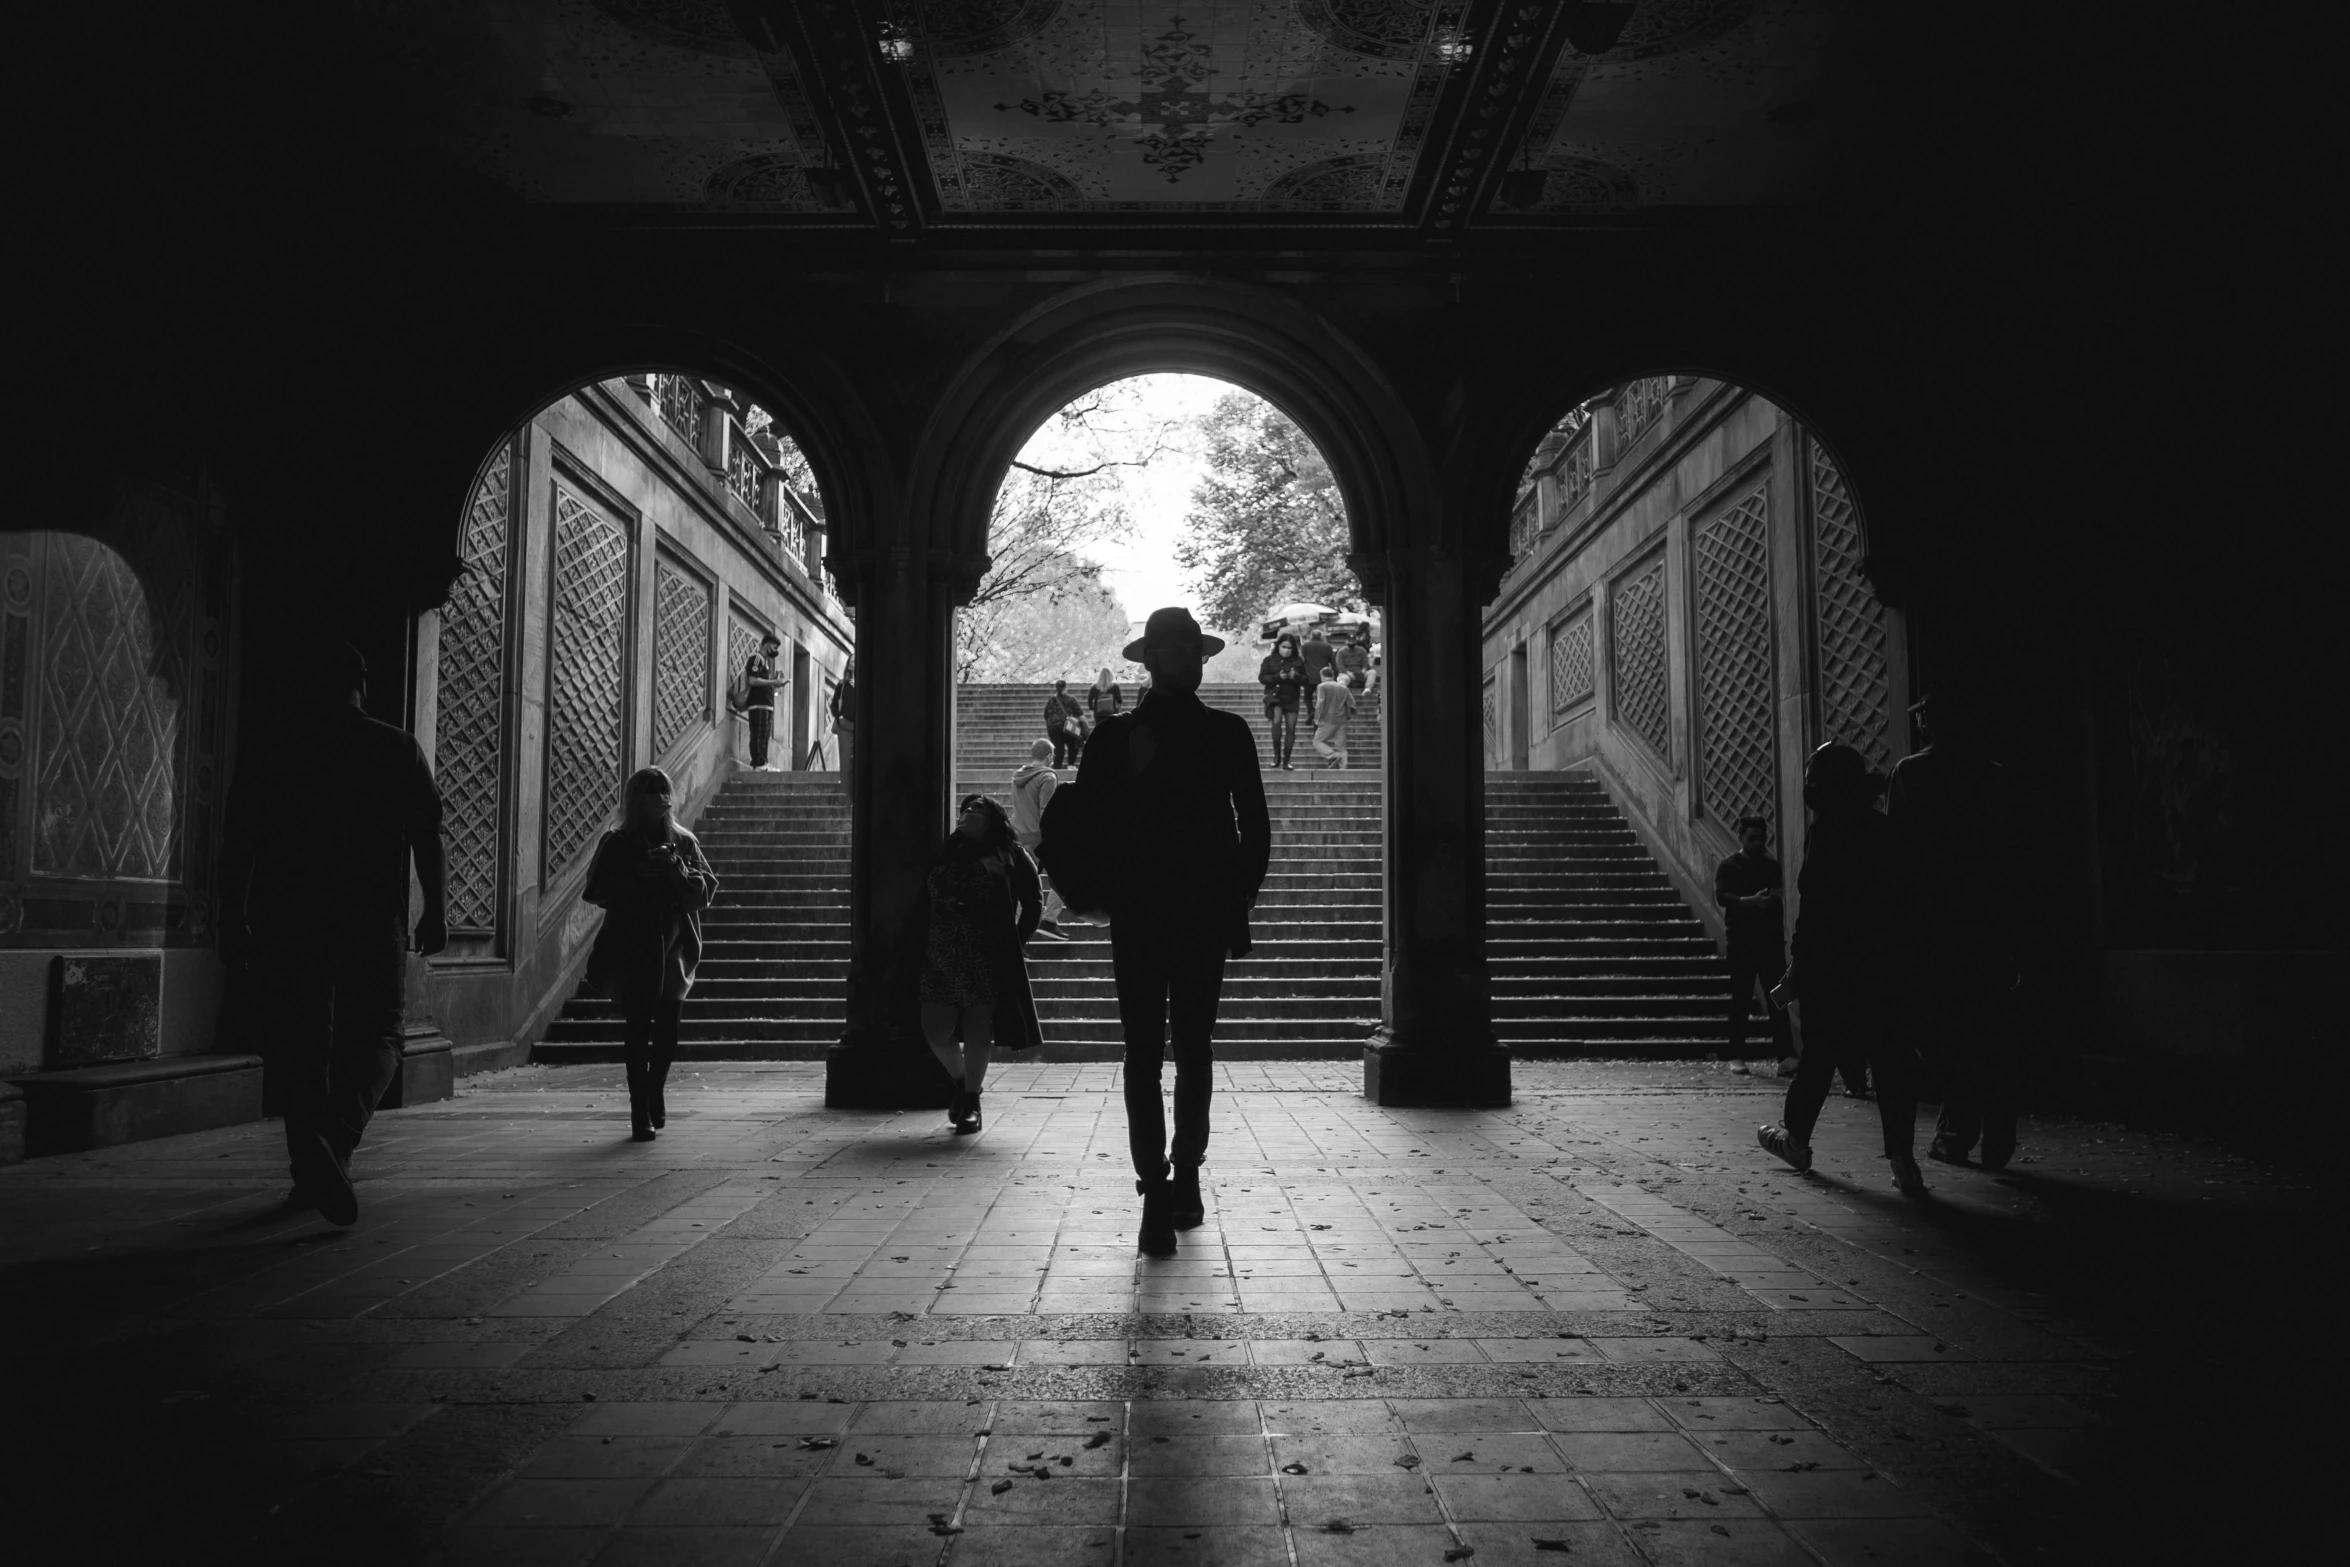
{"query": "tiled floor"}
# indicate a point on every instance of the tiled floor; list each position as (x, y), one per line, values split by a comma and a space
(1597, 1327)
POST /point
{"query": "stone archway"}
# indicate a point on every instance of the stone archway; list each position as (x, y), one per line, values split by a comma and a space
(1434, 1044)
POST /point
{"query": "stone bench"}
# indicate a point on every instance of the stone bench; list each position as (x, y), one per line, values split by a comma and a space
(131, 1101)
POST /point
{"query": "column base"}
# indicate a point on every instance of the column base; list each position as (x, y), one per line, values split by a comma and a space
(880, 1073)
(1461, 1078)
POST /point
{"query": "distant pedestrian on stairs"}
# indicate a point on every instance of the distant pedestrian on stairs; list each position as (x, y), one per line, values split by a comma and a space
(1186, 776)
(1320, 658)
(1846, 951)
(844, 721)
(651, 881)
(1748, 887)
(1104, 698)
(1064, 724)
(1334, 704)
(760, 683)
(315, 851)
(1283, 675)
(1033, 783)
(980, 904)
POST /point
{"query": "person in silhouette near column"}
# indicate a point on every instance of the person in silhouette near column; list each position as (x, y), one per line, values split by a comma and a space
(844, 720)
(1186, 776)
(1334, 705)
(651, 881)
(1953, 824)
(980, 903)
(759, 687)
(315, 855)
(1283, 675)
(1845, 951)
(1748, 886)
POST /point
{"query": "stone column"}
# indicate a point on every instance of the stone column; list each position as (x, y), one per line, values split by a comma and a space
(905, 607)
(1435, 1044)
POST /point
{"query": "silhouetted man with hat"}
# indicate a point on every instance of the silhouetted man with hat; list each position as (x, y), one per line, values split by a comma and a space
(314, 900)
(1186, 777)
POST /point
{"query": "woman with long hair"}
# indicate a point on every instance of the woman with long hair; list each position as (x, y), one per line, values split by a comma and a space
(981, 902)
(1104, 697)
(651, 881)
(1842, 974)
(1285, 679)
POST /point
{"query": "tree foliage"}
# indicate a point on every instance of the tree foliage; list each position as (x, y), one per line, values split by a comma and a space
(1069, 634)
(1064, 494)
(1267, 524)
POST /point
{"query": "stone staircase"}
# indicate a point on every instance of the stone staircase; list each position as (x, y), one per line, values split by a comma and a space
(1591, 951)
(775, 955)
(1311, 987)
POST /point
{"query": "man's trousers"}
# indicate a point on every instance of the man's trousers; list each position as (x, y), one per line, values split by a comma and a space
(1169, 974)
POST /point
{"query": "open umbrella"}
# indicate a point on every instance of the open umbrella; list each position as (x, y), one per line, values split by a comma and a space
(1295, 617)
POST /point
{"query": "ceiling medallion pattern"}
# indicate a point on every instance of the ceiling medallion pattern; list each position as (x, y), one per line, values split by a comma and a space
(1141, 108)
(764, 182)
(701, 25)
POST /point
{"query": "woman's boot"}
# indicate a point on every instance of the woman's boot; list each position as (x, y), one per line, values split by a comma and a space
(1158, 1218)
(640, 1110)
(1189, 1209)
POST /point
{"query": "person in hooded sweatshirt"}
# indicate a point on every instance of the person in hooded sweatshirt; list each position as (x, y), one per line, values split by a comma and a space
(1843, 974)
(1033, 783)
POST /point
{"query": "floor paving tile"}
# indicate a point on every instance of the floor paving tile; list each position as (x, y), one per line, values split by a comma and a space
(1206, 1546)
(698, 1545)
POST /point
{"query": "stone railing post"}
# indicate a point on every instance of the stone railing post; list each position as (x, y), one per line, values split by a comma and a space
(1435, 1044)
(905, 602)
(1606, 436)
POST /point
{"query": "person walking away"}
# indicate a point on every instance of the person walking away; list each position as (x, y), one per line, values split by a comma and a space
(1283, 675)
(651, 881)
(1747, 887)
(1033, 783)
(759, 687)
(1842, 976)
(1063, 724)
(1953, 826)
(981, 901)
(844, 720)
(1319, 655)
(1186, 775)
(1104, 698)
(315, 858)
(1334, 704)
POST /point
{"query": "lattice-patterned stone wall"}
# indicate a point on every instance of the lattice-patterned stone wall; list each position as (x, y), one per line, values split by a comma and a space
(1573, 661)
(587, 678)
(1849, 627)
(1637, 668)
(682, 607)
(1737, 690)
(1492, 707)
(469, 721)
(1639, 404)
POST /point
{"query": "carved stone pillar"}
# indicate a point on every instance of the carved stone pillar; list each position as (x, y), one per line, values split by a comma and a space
(1435, 1044)
(905, 615)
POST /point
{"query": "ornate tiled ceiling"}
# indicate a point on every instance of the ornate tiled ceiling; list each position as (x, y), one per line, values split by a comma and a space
(904, 115)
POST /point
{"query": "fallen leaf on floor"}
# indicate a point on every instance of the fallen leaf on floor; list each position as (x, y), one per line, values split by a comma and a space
(1408, 1461)
(1464, 1458)
(816, 1444)
(1460, 1553)
(1294, 1469)
(1551, 1545)
(1338, 1526)
(1000, 1487)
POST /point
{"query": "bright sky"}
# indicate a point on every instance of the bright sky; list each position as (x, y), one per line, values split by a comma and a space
(1140, 567)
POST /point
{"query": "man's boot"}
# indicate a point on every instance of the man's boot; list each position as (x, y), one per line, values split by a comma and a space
(1189, 1209)
(1158, 1218)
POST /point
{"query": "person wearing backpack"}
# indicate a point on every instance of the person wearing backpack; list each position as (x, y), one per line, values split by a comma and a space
(758, 684)
(1033, 783)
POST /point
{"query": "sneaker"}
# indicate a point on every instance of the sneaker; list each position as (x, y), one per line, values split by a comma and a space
(1908, 1177)
(1774, 1139)
(1943, 1150)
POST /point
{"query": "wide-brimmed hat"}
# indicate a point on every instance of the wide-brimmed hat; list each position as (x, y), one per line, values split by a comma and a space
(1171, 628)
